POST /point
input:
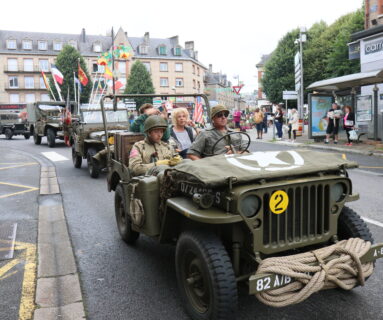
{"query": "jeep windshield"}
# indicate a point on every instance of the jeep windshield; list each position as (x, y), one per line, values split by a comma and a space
(51, 110)
(111, 116)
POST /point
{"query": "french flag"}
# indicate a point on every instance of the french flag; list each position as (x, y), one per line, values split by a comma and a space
(57, 74)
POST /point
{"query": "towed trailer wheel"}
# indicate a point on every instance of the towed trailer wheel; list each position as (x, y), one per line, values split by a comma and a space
(51, 137)
(27, 136)
(8, 134)
(93, 167)
(76, 158)
(205, 277)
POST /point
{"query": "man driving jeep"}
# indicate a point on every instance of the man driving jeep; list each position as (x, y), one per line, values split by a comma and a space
(203, 145)
(152, 153)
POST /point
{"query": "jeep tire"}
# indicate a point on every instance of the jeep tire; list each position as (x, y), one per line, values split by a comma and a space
(51, 137)
(205, 276)
(351, 225)
(93, 167)
(8, 133)
(36, 138)
(27, 136)
(77, 159)
(124, 222)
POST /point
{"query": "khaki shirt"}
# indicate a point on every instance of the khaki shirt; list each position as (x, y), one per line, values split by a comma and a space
(204, 142)
(144, 154)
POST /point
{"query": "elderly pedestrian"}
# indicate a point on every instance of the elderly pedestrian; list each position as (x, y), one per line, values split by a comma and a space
(293, 124)
(334, 114)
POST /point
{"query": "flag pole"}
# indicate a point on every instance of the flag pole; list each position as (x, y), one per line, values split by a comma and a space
(102, 92)
(91, 93)
(114, 89)
(49, 87)
(79, 83)
(74, 86)
(57, 88)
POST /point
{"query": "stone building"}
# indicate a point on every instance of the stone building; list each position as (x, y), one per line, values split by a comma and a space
(260, 68)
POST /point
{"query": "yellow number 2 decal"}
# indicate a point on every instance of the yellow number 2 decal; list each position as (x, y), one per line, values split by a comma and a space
(279, 202)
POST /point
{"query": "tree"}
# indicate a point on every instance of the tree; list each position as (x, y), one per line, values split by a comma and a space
(140, 81)
(67, 63)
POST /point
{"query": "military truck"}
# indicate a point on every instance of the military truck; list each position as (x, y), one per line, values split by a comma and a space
(50, 119)
(12, 125)
(88, 137)
(276, 221)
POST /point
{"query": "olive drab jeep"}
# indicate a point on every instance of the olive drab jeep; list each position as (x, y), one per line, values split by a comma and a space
(275, 221)
(88, 137)
(51, 119)
(12, 125)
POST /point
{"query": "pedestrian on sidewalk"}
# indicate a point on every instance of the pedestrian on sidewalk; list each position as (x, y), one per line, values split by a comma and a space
(265, 115)
(334, 115)
(348, 123)
(258, 120)
(293, 124)
(237, 118)
(278, 121)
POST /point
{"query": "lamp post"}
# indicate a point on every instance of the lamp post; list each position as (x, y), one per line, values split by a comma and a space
(299, 75)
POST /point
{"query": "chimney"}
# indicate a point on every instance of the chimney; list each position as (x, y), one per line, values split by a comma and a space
(174, 41)
(210, 68)
(83, 35)
(146, 37)
(189, 45)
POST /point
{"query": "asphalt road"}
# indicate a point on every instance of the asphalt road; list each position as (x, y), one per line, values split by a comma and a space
(125, 282)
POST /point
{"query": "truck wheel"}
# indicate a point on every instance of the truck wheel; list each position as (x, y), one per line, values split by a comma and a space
(27, 136)
(8, 134)
(351, 225)
(51, 137)
(123, 219)
(205, 277)
(36, 138)
(93, 168)
(77, 160)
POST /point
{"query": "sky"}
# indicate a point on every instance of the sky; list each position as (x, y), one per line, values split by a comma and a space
(230, 35)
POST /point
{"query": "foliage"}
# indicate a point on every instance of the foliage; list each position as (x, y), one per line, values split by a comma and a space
(67, 63)
(139, 81)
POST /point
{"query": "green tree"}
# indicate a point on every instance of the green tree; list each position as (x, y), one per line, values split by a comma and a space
(139, 81)
(67, 63)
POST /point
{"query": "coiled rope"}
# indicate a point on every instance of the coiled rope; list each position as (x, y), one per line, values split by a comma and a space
(335, 266)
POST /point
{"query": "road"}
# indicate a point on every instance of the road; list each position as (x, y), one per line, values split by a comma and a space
(138, 282)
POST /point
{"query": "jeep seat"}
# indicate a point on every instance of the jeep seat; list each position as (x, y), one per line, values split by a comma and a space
(124, 142)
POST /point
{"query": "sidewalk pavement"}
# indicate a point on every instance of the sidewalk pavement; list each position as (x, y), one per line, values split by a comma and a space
(365, 146)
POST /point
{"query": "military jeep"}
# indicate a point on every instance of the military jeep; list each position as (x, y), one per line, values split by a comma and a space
(12, 125)
(88, 137)
(51, 120)
(274, 221)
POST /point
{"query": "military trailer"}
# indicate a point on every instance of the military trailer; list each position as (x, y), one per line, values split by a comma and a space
(51, 120)
(88, 137)
(12, 125)
(275, 221)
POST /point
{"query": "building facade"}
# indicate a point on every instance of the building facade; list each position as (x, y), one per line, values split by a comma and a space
(23, 55)
(260, 68)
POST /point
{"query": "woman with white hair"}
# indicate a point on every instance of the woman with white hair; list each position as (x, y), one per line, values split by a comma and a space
(182, 130)
(293, 124)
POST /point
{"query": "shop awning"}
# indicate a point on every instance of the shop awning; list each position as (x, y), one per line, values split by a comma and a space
(349, 81)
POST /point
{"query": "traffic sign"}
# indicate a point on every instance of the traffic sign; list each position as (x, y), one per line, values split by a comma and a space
(237, 89)
(290, 95)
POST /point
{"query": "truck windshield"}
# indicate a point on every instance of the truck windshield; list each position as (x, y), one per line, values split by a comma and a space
(111, 116)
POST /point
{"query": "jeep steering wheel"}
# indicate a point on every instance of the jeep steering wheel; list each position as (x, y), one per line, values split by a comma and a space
(232, 147)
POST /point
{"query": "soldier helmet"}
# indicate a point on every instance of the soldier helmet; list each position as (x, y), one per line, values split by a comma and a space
(154, 122)
(218, 108)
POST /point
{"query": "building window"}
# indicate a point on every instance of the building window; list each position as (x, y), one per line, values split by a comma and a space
(199, 85)
(162, 50)
(42, 83)
(45, 97)
(28, 64)
(73, 43)
(97, 47)
(179, 67)
(12, 65)
(27, 44)
(13, 82)
(197, 71)
(30, 97)
(11, 44)
(163, 66)
(57, 46)
(122, 67)
(177, 51)
(42, 45)
(98, 68)
(179, 82)
(193, 66)
(44, 65)
(147, 66)
(143, 49)
(14, 98)
(29, 83)
(193, 84)
(164, 82)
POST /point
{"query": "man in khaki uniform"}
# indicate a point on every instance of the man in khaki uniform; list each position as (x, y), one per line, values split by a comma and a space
(152, 153)
(203, 144)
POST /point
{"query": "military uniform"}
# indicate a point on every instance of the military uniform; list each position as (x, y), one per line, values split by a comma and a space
(145, 154)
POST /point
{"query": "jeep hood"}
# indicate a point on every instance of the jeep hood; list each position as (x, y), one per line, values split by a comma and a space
(214, 171)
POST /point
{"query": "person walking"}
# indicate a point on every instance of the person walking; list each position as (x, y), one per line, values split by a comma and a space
(265, 121)
(293, 124)
(278, 121)
(348, 123)
(258, 120)
(237, 118)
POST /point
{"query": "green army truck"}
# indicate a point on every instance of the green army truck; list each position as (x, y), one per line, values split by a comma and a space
(12, 125)
(276, 221)
(50, 119)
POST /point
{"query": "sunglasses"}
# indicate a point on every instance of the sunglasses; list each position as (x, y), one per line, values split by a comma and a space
(221, 114)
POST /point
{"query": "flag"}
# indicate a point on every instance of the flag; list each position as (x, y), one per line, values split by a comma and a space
(57, 74)
(76, 81)
(46, 81)
(118, 84)
(82, 76)
(108, 74)
(198, 111)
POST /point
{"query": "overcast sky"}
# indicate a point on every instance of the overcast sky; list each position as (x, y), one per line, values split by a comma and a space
(231, 35)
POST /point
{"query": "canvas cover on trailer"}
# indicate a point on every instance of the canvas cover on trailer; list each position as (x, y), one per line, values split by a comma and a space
(215, 171)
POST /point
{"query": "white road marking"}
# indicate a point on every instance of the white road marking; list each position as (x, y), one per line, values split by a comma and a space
(372, 221)
(54, 156)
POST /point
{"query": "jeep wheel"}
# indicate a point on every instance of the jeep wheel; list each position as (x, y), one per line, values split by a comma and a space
(93, 167)
(77, 160)
(36, 138)
(27, 136)
(8, 134)
(205, 277)
(51, 137)
(124, 223)
(351, 225)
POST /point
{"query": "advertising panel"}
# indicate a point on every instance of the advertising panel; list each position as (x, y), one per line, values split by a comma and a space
(318, 107)
(364, 108)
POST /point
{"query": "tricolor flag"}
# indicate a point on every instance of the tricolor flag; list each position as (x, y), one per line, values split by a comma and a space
(57, 74)
(82, 76)
(198, 111)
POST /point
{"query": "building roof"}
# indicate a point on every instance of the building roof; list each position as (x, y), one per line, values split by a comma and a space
(366, 33)
(263, 61)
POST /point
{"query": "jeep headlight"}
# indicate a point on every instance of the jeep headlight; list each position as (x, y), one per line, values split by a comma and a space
(337, 192)
(250, 205)
(103, 139)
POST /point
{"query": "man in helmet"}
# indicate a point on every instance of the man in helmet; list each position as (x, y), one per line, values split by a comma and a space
(204, 142)
(151, 153)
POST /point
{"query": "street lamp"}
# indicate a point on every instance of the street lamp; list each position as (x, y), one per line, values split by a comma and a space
(299, 74)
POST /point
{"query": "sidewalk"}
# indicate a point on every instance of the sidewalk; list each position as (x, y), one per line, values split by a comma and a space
(365, 146)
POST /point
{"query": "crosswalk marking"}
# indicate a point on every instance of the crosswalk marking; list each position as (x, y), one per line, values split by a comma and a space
(54, 156)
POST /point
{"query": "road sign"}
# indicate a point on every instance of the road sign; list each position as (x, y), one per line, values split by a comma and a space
(290, 95)
(237, 89)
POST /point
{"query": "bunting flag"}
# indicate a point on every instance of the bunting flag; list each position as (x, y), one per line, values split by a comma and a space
(57, 74)
(82, 76)
(198, 111)
(46, 81)
(108, 74)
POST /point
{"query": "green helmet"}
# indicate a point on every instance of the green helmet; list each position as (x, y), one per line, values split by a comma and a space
(154, 122)
(216, 109)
